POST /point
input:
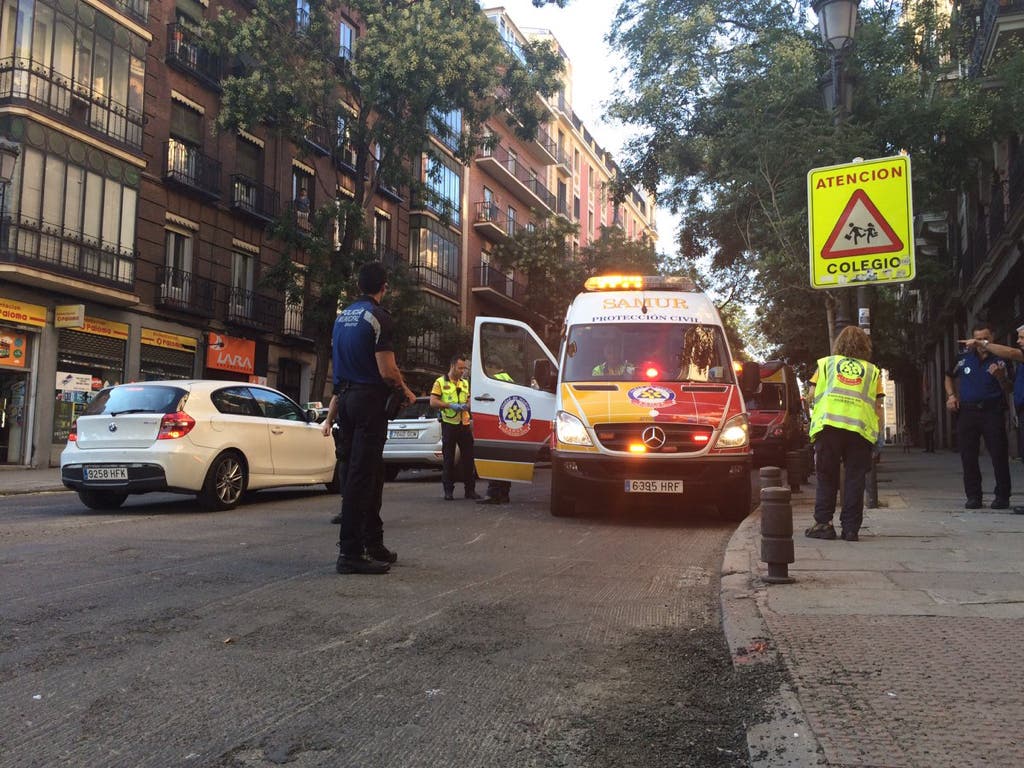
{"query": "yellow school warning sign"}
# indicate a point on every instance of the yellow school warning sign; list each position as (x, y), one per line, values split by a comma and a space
(860, 223)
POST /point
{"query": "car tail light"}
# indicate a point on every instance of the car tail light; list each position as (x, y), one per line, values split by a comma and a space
(175, 425)
(73, 435)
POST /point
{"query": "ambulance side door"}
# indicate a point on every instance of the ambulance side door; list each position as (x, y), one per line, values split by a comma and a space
(511, 419)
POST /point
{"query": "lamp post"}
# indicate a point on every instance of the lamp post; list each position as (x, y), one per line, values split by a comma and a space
(9, 152)
(837, 23)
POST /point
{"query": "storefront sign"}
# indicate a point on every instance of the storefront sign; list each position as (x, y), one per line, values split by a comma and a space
(22, 313)
(13, 348)
(69, 316)
(258, 380)
(226, 353)
(168, 340)
(109, 328)
(74, 382)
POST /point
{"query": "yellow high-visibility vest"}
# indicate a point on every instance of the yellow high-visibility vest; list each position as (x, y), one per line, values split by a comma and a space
(452, 392)
(844, 396)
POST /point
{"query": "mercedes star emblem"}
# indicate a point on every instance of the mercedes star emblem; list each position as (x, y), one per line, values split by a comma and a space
(653, 437)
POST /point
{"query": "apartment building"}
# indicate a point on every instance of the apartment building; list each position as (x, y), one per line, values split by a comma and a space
(134, 239)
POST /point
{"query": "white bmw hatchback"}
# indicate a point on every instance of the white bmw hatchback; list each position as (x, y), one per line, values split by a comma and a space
(216, 439)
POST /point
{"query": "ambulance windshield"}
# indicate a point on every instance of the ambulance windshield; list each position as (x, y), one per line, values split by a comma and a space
(647, 352)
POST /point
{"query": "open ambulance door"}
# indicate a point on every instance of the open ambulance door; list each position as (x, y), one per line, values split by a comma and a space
(512, 415)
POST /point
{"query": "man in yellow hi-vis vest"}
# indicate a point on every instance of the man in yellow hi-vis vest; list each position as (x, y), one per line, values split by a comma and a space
(450, 394)
(846, 395)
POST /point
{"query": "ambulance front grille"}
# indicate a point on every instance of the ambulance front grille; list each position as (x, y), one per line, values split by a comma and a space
(679, 438)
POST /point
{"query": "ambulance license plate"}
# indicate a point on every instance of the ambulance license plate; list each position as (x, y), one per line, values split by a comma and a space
(105, 473)
(654, 486)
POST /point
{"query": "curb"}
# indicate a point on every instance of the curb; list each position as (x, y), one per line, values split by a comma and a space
(785, 738)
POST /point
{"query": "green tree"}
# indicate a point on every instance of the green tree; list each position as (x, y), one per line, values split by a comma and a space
(413, 65)
(727, 103)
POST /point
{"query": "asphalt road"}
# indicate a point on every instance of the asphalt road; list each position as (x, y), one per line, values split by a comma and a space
(162, 635)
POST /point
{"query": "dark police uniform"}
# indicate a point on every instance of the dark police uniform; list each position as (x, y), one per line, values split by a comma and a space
(360, 331)
(981, 415)
(1018, 403)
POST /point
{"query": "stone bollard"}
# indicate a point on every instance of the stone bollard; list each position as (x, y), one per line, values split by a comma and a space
(777, 534)
(794, 469)
(771, 477)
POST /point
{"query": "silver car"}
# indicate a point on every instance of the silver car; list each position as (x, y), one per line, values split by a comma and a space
(414, 439)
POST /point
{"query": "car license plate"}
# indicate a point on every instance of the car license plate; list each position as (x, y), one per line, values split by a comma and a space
(400, 435)
(105, 473)
(654, 486)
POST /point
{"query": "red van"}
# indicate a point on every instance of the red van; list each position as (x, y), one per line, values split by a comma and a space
(778, 423)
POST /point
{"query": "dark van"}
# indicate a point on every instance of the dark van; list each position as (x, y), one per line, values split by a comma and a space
(777, 420)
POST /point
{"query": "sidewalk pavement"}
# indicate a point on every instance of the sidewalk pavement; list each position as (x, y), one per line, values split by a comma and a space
(18, 479)
(903, 649)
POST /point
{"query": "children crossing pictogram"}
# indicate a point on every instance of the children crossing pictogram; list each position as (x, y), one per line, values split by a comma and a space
(861, 231)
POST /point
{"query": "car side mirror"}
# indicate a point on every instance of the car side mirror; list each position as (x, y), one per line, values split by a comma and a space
(545, 374)
(312, 416)
(750, 378)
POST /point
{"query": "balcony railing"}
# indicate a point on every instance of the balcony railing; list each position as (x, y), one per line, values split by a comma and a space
(529, 189)
(182, 290)
(76, 104)
(254, 310)
(136, 9)
(52, 248)
(185, 52)
(433, 278)
(319, 138)
(493, 223)
(189, 167)
(488, 276)
(984, 32)
(255, 199)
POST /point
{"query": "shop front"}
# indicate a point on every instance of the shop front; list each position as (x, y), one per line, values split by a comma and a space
(166, 356)
(234, 359)
(20, 324)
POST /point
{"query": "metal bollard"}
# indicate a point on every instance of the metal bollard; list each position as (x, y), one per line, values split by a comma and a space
(777, 534)
(771, 477)
(794, 469)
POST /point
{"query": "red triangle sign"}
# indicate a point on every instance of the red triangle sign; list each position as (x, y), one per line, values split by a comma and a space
(861, 231)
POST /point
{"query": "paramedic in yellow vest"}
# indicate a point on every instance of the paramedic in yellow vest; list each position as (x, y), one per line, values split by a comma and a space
(846, 411)
(497, 490)
(613, 364)
(450, 395)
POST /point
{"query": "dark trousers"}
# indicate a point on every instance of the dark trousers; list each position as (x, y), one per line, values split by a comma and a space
(971, 426)
(363, 430)
(498, 489)
(1020, 431)
(459, 435)
(929, 441)
(833, 447)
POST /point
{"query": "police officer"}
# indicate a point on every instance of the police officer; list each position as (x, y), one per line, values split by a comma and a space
(497, 490)
(846, 394)
(365, 373)
(983, 380)
(450, 394)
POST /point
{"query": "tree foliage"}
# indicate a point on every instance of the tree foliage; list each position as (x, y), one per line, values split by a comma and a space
(728, 108)
(413, 64)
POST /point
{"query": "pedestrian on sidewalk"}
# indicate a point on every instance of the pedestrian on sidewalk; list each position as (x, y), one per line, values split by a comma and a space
(846, 410)
(983, 379)
(905, 437)
(928, 426)
(450, 394)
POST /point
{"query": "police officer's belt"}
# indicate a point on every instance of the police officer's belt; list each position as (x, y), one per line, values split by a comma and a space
(994, 404)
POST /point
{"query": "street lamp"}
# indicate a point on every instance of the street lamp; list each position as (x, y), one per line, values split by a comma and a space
(837, 22)
(9, 152)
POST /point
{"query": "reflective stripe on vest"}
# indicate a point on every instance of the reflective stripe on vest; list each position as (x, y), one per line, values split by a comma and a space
(843, 401)
(452, 392)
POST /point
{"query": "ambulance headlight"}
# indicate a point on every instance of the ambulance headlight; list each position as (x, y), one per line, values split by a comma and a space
(570, 430)
(735, 433)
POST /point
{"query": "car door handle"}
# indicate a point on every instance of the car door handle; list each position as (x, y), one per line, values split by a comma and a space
(277, 430)
(484, 399)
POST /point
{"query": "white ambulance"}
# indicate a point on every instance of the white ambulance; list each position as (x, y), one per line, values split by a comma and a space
(643, 401)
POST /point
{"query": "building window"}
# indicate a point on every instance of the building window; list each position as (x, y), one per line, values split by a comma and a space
(447, 128)
(346, 36)
(435, 255)
(178, 265)
(184, 146)
(302, 197)
(510, 221)
(243, 277)
(445, 185)
(381, 234)
(302, 15)
(295, 303)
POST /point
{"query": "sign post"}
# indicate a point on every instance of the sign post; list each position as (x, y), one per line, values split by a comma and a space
(860, 223)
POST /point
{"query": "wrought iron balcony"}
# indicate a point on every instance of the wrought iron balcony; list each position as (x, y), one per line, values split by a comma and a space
(75, 104)
(190, 168)
(490, 279)
(135, 9)
(254, 310)
(506, 168)
(319, 138)
(1000, 25)
(52, 248)
(492, 222)
(185, 52)
(257, 200)
(182, 290)
(430, 277)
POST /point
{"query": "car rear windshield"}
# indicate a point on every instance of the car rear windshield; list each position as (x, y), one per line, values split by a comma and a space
(136, 399)
(769, 398)
(419, 410)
